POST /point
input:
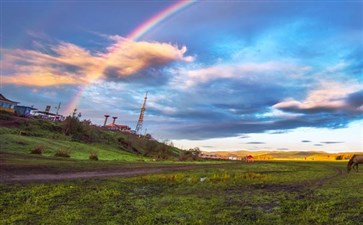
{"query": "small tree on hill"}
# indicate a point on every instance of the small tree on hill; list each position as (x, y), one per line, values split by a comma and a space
(71, 125)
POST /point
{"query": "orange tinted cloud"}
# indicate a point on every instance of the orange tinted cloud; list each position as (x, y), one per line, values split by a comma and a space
(40, 80)
(69, 64)
(128, 57)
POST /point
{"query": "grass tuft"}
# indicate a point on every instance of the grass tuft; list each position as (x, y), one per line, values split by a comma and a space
(38, 150)
(63, 153)
(93, 156)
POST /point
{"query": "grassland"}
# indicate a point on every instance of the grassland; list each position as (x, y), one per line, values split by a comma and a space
(264, 192)
(259, 193)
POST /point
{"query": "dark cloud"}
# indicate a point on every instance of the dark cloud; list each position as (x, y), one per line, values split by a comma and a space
(227, 127)
(278, 132)
(282, 149)
(331, 142)
(153, 77)
(305, 141)
(355, 99)
(318, 145)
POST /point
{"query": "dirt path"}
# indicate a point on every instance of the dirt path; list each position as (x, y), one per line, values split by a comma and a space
(26, 177)
(117, 172)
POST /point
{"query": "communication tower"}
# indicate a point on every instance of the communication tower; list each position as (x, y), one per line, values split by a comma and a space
(141, 117)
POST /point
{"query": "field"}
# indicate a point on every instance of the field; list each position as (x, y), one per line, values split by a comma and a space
(234, 193)
(141, 181)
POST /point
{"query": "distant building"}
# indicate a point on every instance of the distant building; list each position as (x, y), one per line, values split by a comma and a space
(211, 156)
(118, 127)
(24, 110)
(7, 105)
(47, 115)
(114, 126)
(233, 157)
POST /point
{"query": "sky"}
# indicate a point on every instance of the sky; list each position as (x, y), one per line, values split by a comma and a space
(220, 75)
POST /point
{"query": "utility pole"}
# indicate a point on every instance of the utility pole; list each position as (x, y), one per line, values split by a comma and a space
(141, 117)
(59, 105)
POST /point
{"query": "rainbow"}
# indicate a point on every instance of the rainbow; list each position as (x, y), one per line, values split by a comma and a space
(135, 35)
(159, 17)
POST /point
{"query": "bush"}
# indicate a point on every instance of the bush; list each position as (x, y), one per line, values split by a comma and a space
(37, 150)
(93, 156)
(63, 153)
(191, 154)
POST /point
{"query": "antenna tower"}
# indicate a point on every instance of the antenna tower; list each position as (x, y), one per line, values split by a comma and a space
(141, 117)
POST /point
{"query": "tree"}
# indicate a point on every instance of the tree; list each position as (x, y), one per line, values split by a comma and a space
(71, 125)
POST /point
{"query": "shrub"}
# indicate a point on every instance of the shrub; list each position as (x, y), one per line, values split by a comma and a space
(63, 153)
(93, 156)
(38, 150)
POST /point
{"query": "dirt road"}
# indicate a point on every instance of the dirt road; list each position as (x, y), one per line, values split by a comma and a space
(10, 177)
(41, 174)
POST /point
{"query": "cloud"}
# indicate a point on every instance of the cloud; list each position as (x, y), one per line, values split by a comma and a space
(68, 64)
(331, 142)
(305, 141)
(40, 80)
(225, 107)
(244, 136)
(227, 126)
(127, 57)
(255, 143)
(278, 132)
(356, 99)
(248, 72)
(328, 97)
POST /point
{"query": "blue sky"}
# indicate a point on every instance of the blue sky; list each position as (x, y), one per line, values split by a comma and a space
(221, 75)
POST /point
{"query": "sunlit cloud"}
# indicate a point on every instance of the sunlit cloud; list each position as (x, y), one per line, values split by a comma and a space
(329, 96)
(68, 64)
(39, 80)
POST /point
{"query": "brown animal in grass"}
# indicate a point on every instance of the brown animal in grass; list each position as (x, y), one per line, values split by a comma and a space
(354, 161)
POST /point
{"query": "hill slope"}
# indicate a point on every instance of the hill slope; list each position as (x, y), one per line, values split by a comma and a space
(79, 139)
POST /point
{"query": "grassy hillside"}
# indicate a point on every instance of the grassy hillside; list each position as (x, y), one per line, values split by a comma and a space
(79, 139)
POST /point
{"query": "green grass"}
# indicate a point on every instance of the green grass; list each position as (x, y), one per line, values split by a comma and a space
(24, 144)
(259, 193)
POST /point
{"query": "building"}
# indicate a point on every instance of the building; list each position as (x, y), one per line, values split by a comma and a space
(24, 110)
(233, 157)
(211, 156)
(118, 127)
(47, 115)
(114, 126)
(7, 105)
